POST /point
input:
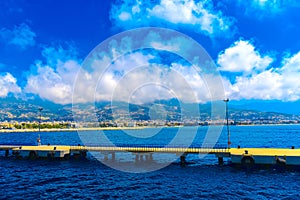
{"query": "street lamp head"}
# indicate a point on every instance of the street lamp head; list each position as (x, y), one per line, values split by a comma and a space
(226, 100)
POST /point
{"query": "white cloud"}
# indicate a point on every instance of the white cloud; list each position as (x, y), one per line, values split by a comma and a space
(200, 16)
(266, 85)
(266, 8)
(158, 65)
(280, 83)
(8, 84)
(58, 53)
(124, 16)
(154, 81)
(291, 73)
(54, 84)
(243, 57)
(54, 81)
(137, 78)
(21, 36)
(291, 64)
(124, 70)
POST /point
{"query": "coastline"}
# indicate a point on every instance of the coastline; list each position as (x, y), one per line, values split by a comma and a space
(68, 129)
(116, 128)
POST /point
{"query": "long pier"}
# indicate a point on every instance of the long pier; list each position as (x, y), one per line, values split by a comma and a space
(247, 157)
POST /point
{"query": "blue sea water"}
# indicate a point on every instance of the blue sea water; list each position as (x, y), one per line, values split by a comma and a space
(203, 179)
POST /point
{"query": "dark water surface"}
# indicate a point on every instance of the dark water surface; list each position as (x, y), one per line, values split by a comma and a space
(204, 179)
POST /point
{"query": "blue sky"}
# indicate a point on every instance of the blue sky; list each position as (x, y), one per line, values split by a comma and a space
(254, 43)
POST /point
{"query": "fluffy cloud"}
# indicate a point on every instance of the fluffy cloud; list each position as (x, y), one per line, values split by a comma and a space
(266, 85)
(154, 81)
(8, 84)
(58, 53)
(123, 69)
(97, 80)
(266, 8)
(200, 16)
(242, 57)
(171, 69)
(21, 36)
(291, 64)
(54, 81)
(281, 83)
(137, 78)
(290, 73)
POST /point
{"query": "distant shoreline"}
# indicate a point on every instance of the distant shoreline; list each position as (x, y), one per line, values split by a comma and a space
(68, 129)
(117, 128)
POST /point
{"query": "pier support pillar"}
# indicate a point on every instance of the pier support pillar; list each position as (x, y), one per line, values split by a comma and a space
(6, 153)
(76, 156)
(83, 154)
(113, 156)
(182, 160)
(220, 160)
(143, 157)
(150, 157)
(105, 157)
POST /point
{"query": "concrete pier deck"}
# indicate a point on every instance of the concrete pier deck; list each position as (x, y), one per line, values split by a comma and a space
(244, 156)
(265, 156)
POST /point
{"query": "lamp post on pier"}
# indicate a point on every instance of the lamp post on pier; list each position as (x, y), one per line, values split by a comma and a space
(40, 118)
(227, 123)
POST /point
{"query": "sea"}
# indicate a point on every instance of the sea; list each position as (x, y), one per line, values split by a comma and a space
(201, 178)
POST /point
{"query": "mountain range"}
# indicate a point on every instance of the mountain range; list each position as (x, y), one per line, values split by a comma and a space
(12, 109)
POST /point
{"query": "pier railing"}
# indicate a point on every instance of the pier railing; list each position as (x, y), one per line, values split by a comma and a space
(137, 148)
(152, 148)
